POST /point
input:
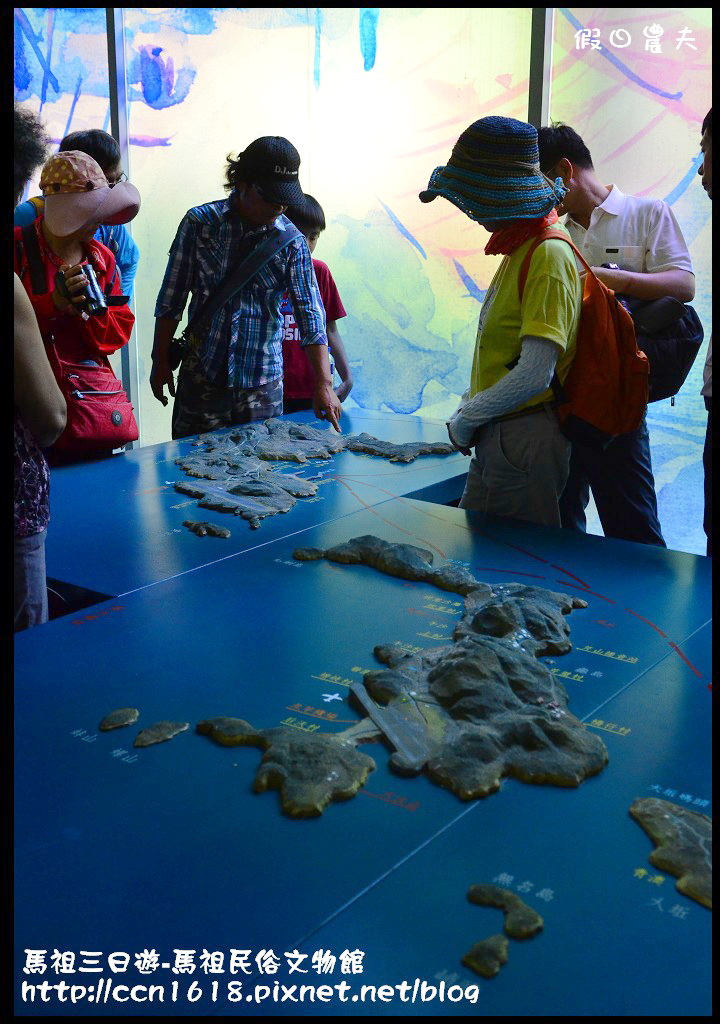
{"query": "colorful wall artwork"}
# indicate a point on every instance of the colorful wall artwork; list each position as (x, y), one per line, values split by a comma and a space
(636, 84)
(374, 99)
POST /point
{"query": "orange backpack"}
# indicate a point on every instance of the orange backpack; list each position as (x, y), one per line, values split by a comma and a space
(605, 392)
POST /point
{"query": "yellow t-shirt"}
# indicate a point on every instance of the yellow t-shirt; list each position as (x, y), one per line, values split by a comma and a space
(550, 309)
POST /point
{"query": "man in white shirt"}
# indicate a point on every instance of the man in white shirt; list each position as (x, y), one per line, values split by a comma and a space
(705, 171)
(643, 238)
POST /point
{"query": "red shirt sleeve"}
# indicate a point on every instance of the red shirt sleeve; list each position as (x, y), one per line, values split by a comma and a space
(334, 309)
(77, 338)
(111, 330)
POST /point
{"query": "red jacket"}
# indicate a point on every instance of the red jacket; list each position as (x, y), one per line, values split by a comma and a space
(76, 338)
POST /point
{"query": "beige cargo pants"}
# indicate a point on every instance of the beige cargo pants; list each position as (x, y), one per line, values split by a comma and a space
(519, 469)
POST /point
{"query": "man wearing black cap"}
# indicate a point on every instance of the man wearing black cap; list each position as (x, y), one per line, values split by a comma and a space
(232, 370)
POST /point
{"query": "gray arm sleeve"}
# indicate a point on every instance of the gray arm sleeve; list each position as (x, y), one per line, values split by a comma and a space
(529, 377)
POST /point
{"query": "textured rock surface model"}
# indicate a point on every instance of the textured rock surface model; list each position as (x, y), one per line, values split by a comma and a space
(521, 922)
(159, 733)
(467, 713)
(487, 956)
(309, 769)
(118, 718)
(233, 473)
(204, 529)
(684, 845)
(483, 707)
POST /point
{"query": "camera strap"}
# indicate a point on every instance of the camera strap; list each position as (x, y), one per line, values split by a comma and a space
(36, 267)
(34, 260)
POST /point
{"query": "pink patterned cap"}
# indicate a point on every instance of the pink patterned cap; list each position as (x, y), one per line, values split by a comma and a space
(77, 194)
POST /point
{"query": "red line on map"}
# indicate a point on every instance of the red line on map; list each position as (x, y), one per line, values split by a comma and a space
(637, 616)
(586, 590)
(568, 573)
(582, 587)
(389, 521)
(521, 550)
(686, 660)
(323, 718)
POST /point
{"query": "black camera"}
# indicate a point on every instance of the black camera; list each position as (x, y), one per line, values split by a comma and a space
(94, 299)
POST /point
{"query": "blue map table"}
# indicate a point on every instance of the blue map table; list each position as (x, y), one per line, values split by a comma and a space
(166, 855)
(117, 524)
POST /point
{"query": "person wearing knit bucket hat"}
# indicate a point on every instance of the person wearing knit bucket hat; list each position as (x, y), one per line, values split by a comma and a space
(237, 259)
(521, 459)
(493, 174)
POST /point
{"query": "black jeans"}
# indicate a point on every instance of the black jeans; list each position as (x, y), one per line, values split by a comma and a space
(623, 487)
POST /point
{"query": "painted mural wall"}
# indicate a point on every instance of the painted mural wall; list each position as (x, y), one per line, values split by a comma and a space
(636, 84)
(374, 99)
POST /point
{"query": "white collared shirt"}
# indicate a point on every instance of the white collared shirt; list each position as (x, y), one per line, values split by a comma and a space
(638, 234)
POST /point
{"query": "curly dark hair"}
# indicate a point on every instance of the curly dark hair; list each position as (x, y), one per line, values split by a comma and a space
(234, 172)
(31, 146)
(707, 123)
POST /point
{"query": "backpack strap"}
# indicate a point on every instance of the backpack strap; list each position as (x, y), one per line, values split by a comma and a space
(38, 278)
(548, 233)
(558, 390)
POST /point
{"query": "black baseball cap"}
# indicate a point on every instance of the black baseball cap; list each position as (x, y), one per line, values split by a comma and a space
(273, 163)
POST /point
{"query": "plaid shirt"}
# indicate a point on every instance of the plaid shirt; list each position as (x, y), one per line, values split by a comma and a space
(243, 344)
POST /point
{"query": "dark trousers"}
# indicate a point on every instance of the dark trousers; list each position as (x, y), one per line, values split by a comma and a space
(623, 487)
(707, 465)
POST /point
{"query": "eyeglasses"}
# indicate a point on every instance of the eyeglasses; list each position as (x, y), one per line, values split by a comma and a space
(123, 177)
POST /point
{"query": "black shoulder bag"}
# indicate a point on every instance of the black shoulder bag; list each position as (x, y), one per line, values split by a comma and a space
(234, 280)
(670, 334)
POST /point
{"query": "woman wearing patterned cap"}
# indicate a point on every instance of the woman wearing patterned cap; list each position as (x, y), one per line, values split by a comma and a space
(520, 463)
(101, 147)
(50, 255)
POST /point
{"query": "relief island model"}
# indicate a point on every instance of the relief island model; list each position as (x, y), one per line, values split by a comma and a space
(466, 713)
(237, 478)
(684, 845)
(521, 922)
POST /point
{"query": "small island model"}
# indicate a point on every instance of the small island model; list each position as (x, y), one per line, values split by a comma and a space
(205, 529)
(119, 718)
(487, 956)
(684, 845)
(160, 732)
(521, 922)
(310, 770)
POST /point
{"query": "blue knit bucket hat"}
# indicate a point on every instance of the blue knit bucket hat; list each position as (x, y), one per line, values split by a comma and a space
(493, 173)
